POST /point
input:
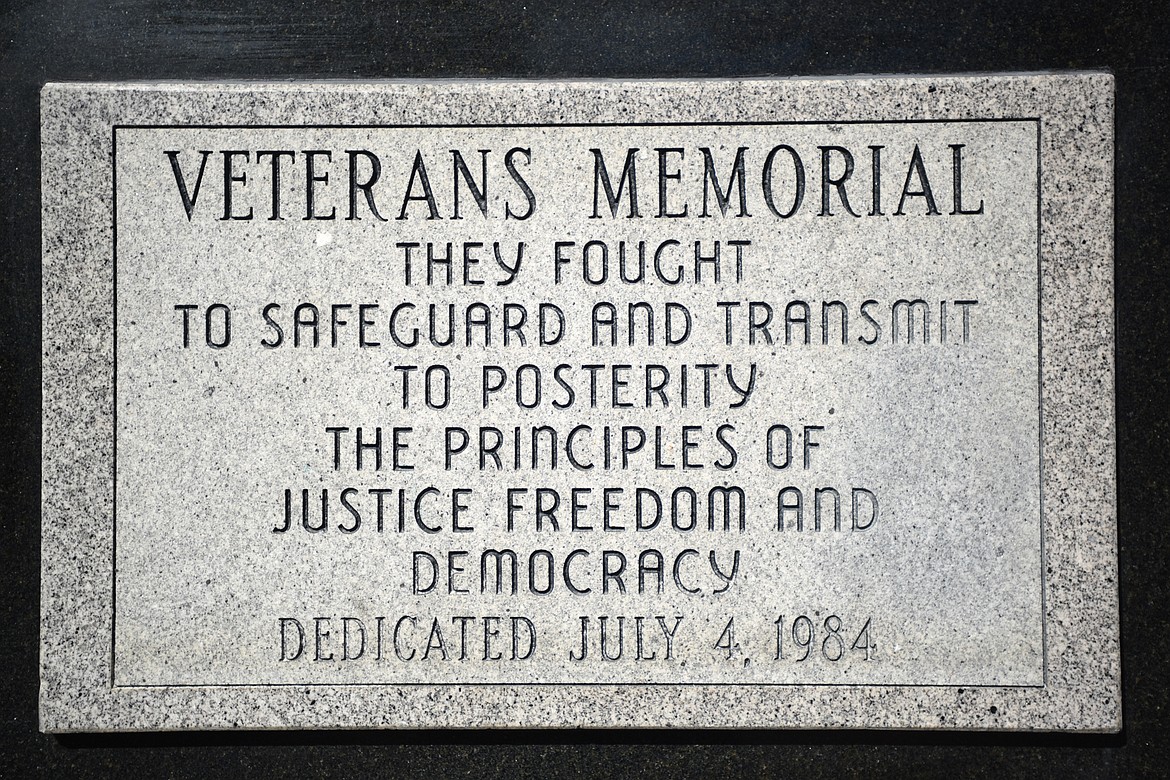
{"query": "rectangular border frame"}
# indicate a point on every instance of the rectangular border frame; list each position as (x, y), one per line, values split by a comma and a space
(1039, 392)
(1075, 112)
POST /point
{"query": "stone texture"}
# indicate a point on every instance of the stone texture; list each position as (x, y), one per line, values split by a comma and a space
(988, 579)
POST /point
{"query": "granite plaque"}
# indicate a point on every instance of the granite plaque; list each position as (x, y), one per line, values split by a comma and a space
(719, 404)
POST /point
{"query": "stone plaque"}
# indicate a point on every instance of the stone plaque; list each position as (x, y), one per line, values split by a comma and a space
(706, 404)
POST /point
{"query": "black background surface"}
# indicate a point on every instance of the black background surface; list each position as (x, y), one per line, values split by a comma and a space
(148, 39)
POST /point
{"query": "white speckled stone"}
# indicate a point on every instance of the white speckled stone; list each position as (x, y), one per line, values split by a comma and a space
(983, 595)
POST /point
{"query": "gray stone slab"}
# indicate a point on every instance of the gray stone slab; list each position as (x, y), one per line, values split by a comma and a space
(789, 403)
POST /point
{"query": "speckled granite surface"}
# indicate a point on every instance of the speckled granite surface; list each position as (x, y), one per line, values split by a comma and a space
(1041, 608)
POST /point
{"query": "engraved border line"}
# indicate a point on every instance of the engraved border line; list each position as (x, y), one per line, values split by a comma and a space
(586, 684)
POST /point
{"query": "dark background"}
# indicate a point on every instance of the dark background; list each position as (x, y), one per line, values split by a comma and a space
(164, 39)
